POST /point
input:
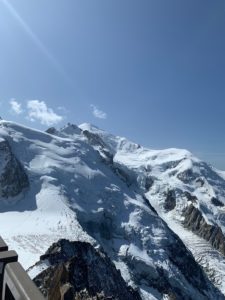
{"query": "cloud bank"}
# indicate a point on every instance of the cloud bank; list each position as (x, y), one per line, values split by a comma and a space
(97, 113)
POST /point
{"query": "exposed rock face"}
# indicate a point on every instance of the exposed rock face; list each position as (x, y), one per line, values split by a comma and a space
(94, 139)
(217, 202)
(13, 178)
(148, 183)
(170, 164)
(196, 223)
(170, 201)
(200, 181)
(123, 175)
(107, 157)
(78, 271)
(51, 130)
(190, 197)
(187, 176)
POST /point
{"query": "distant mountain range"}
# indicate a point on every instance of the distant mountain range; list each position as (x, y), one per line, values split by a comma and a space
(80, 197)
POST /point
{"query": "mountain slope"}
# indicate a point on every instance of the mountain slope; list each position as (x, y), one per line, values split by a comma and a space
(185, 191)
(84, 187)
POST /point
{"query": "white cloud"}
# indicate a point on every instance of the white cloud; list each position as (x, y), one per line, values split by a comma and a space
(38, 110)
(97, 113)
(15, 107)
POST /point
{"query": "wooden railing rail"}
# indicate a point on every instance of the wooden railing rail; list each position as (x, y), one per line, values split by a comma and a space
(15, 284)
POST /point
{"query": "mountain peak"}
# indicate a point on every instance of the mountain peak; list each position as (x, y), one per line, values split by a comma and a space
(90, 127)
(70, 129)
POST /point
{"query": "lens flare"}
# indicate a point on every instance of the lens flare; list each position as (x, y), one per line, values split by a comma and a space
(37, 41)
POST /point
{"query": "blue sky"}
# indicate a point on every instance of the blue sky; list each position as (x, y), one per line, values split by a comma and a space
(150, 70)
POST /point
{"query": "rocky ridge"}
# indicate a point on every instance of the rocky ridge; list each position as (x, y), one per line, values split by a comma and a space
(197, 224)
(13, 178)
(78, 271)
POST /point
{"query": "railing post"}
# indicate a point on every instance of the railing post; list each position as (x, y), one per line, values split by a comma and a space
(5, 258)
(15, 284)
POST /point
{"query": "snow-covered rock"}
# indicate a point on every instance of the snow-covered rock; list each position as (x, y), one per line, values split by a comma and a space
(13, 178)
(76, 270)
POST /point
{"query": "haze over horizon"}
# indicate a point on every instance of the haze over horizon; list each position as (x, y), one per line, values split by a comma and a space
(152, 71)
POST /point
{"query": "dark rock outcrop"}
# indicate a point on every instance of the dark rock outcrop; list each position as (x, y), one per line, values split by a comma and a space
(170, 201)
(148, 203)
(79, 271)
(128, 177)
(190, 197)
(200, 181)
(94, 139)
(104, 225)
(148, 183)
(196, 223)
(187, 176)
(13, 178)
(170, 164)
(104, 151)
(216, 202)
(51, 130)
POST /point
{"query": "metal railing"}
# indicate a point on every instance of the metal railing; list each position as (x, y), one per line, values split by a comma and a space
(15, 284)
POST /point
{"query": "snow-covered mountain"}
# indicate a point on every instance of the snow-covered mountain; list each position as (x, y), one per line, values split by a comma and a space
(83, 184)
(185, 191)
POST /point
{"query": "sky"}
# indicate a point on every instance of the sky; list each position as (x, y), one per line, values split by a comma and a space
(150, 70)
